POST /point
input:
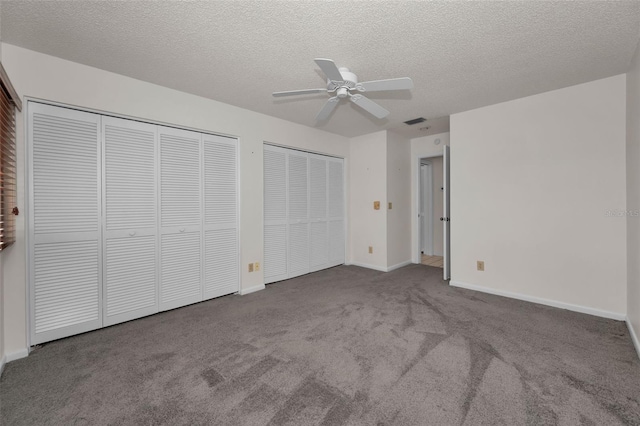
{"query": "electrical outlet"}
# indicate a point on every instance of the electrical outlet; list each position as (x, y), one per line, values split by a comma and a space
(256, 266)
(390, 206)
(370, 249)
(480, 264)
(376, 205)
(251, 267)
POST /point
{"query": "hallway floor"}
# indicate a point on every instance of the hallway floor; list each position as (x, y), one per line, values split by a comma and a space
(437, 261)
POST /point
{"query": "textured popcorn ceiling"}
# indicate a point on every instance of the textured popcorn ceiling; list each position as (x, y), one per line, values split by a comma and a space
(460, 55)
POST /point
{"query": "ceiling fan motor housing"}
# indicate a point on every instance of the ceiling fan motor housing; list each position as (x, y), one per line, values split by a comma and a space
(349, 82)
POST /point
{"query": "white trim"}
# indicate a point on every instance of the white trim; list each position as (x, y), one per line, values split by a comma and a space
(244, 291)
(554, 303)
(125, 116)
(303, 150)
(399, 265)
(381, 268)
(2, 363)
(634, 337)
(366, 265)
(22, 353)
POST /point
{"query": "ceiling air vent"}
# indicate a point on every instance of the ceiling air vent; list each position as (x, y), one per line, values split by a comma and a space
(415, 121)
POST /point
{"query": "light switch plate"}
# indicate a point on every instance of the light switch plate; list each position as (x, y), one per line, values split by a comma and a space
(251, 267)
(370, 249)
(480, 265)
(376, 205)
(390, 206)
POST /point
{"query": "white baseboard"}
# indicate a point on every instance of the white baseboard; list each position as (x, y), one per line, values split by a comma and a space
(399, 265)
(541, 301)
(634, 337)
(381, 268)
(366, 265)
(22, 353)
(244, 291)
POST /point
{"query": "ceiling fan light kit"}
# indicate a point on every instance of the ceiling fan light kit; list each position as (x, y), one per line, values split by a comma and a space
(344, 83)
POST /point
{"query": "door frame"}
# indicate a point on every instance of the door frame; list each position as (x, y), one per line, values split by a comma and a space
(417, 161)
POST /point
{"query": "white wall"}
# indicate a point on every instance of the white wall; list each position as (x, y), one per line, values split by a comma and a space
(421, 148)
(399, 194)
(368, 180)
(46, 77)
(633, 197)
(532, 180)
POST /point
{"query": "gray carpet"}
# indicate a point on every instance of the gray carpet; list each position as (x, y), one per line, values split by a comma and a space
(342, 346)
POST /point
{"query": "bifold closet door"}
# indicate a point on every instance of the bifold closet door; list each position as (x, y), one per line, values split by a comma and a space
(298, 217)
(275, 214)
(336, 220)
(180, 218)
(221, 255)
(130, 226)
(318, 232)
(64, 231)
(303, 213)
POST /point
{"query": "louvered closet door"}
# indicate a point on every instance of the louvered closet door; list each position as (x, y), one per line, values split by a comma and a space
(336, 211)
(65, 267)
(298, 204)
(180, 218)
(130, 225)
(275, 214)
(221, 256)
(318, 233)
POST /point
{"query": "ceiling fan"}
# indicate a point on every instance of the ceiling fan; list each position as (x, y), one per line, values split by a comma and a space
(344, 83)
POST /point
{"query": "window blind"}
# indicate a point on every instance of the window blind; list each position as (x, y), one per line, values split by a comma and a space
(9, 100)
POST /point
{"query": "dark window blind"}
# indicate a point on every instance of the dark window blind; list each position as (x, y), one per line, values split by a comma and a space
(8, 208)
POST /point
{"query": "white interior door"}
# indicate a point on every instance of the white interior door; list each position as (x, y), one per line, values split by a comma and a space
(298, 218)
(336, 208)
(180, 218)
(64, 231)
(447, 213)
(221, 251)
(422, 210)
(318, 206)
(275, 214)
(130, 225)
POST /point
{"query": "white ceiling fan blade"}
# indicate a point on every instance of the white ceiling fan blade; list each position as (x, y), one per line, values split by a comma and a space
(327, 109)
(403, 83)
(369, 106)
(299, 92)
(329, 69)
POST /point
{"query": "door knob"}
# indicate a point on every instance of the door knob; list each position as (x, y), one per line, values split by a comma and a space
(441, 219)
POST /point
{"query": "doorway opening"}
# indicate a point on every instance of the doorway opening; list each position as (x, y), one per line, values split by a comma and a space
(431, 210)
(433, 206)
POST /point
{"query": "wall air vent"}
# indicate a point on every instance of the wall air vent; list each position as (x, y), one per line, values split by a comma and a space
(415, 121)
